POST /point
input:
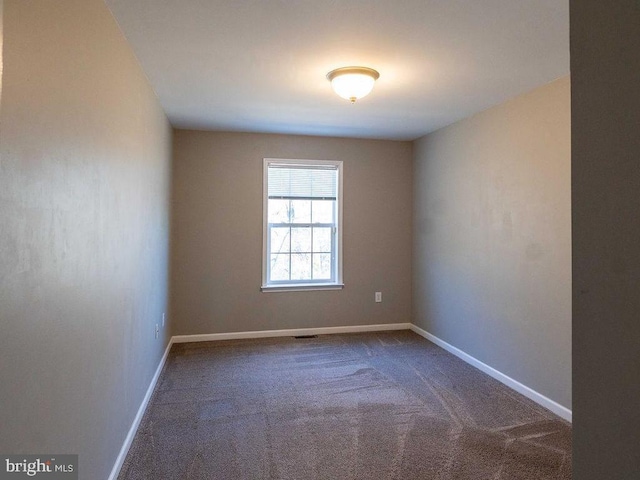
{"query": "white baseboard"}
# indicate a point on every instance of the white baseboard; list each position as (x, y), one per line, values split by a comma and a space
(115, 471)
(289, 332)
(540, 399)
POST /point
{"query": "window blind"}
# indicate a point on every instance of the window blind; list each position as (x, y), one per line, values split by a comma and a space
(302, 182)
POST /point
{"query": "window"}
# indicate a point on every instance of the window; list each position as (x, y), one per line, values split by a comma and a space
(302, 236)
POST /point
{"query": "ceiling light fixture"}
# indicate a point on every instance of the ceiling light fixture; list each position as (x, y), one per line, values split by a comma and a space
(352, 83)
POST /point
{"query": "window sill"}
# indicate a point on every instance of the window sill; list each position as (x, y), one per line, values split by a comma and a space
(301, 287)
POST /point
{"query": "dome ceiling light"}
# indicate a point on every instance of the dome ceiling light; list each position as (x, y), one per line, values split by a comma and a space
(352, 83)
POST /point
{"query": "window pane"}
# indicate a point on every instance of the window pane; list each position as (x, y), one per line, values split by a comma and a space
(279, 267)
(278, 211)
(280, 238)
(301, 211)
(322, 266)
(323, 211)
(300, 266)
(322, 239)
(301, 239)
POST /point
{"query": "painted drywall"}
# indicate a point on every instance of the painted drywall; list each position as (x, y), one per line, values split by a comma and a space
(84, 201)
(1, 49)
(492, 238)
(605, 181)
(217, 234)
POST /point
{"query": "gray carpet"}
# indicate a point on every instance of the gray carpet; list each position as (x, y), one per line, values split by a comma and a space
(387, 405)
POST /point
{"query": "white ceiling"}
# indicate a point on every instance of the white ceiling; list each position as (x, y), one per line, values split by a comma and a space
(260, 65)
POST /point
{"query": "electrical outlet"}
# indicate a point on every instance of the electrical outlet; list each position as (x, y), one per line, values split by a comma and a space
(378, 297)
(157, 330)
(163, 315)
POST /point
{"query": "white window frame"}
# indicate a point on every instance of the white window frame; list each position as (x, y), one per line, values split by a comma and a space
(336, 282)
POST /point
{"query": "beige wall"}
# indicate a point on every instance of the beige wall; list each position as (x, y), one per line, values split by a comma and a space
(217, 235)
(1, 48)
(84, 195)
(492, 238)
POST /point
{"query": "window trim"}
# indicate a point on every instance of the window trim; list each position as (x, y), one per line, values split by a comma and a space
(294, 286)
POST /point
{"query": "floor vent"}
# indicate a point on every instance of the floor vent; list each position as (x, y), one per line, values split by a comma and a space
(306, 336)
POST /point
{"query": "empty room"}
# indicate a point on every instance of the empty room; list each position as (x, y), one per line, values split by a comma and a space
(319, 240)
